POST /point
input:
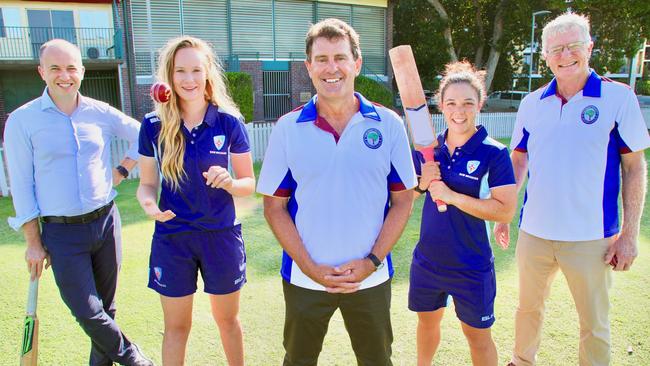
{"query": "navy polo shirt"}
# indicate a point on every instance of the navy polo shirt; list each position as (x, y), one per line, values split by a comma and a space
(455, 239)
(198, 207)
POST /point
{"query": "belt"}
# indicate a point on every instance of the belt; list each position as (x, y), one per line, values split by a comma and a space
(79, 219)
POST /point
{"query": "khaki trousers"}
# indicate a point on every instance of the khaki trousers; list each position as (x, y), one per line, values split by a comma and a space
(589, 280)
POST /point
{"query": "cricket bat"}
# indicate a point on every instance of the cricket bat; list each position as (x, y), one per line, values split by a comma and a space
(414, 104)
(29, 351)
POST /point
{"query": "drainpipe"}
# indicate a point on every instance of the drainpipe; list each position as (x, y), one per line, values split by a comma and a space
(127, 58)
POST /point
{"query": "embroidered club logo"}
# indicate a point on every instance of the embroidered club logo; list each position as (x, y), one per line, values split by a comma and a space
(472, 165)
(218, 141)
(158, 272)
(589, 115)
(372, 138)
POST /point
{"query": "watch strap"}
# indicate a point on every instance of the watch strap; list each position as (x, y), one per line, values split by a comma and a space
(373, 258)
(419, 190)
(122, 170)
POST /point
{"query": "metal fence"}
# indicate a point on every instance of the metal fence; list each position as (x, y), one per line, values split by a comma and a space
(23, 43)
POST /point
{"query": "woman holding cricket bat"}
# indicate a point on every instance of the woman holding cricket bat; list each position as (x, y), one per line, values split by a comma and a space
(473, 175)
(189, 140)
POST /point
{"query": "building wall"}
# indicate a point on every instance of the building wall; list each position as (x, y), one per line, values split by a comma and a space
(9, 44)
(252, 27)
(300, 84)
(254, 68)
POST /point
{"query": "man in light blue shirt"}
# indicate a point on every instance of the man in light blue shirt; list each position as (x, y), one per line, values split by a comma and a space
(59, 159)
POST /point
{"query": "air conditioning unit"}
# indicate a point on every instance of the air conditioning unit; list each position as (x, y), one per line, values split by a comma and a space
(92, 52)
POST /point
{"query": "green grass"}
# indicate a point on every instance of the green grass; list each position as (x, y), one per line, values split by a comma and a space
(262, 308)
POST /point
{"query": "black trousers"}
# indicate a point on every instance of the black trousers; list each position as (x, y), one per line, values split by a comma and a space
(366, 314)
(86, 260)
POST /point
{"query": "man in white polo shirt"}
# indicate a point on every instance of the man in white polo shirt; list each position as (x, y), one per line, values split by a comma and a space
(571, 138)
(336, 178)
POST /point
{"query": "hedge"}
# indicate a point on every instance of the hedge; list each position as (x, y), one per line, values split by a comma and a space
(643, 87)
(240, 86)
(374, 91)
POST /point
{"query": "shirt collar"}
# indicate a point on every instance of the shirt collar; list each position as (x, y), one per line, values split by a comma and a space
(211, 115)
(366, 108)
(472, 144)
(591, 88)
(47, 102)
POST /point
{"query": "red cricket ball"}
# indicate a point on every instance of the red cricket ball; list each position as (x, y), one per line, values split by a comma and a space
(160, 92)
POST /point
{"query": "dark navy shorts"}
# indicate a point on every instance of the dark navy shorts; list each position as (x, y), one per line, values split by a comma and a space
(177, 258)
(473, 291)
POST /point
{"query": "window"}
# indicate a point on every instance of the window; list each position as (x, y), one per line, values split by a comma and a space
(10, 23)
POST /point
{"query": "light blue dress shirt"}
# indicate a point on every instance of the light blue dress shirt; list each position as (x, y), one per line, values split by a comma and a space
(60, 165)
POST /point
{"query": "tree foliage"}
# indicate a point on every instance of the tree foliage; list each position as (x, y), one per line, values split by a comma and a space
(443, 30)
(374, 91)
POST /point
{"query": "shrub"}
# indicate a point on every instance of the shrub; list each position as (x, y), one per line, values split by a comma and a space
(240, 87)
(374, 91)
(643, 87)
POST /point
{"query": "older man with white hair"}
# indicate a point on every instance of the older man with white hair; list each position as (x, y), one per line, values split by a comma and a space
(571, 139)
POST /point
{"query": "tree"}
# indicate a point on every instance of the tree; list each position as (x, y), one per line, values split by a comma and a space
(618, 28)
(481, 31)
(493, 33)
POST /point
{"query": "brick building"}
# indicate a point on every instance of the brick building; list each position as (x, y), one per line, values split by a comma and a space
(120, 40)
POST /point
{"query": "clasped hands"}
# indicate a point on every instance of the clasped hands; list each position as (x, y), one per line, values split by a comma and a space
(343, 279)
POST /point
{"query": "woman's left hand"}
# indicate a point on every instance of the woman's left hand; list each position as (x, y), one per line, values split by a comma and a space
(438, 190)
(218, 177)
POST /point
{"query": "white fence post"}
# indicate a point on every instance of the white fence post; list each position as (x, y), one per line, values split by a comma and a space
(498, 125)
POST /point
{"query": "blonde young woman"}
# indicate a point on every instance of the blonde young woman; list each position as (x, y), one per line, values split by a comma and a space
(190, 140)
(453, 257)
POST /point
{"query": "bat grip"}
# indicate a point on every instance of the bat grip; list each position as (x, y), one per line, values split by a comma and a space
(32, 297)
(427, 153)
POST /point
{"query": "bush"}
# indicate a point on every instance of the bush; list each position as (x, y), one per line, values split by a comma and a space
(240, 87)
(374, 91)
(643, 87)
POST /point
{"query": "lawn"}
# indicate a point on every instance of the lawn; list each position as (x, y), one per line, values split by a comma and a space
(139, 314)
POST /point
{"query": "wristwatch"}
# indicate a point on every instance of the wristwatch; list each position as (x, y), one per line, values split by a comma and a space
(418, 189)
(373, 258)
(122, 170)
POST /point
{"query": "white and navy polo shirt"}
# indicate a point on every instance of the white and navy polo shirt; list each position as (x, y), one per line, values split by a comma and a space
(338, 186)
(574, 150)
(456, 239)
(198, 207)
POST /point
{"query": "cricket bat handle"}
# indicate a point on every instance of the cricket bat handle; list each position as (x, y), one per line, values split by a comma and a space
(427, 153)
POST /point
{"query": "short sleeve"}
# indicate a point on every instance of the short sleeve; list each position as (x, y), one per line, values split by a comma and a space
(519, 141)
(631, 125)
(146, 143)
(402, 174)
(500, 171)
(275, 176)
(239, 142)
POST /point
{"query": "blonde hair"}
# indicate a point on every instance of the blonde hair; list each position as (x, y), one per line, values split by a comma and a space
(171, 139)
(462, 72)
(565, 23)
